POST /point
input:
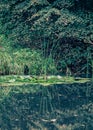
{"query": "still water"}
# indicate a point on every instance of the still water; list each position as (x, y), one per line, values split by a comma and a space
(54, 107)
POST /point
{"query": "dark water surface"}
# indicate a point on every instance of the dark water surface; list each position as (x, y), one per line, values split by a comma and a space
(56, 107)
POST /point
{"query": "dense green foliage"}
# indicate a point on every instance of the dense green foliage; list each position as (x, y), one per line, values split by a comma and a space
(60, 30)
(18, 61)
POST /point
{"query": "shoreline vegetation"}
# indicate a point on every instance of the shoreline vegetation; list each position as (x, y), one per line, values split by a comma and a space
(46, 64)
(18, 80)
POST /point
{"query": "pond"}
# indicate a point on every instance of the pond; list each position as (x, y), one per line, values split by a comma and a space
(52, 107)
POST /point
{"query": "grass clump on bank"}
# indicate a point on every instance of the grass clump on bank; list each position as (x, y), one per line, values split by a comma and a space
(25, 61)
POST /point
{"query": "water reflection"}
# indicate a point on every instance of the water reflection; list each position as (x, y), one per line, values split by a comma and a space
(56, 107)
